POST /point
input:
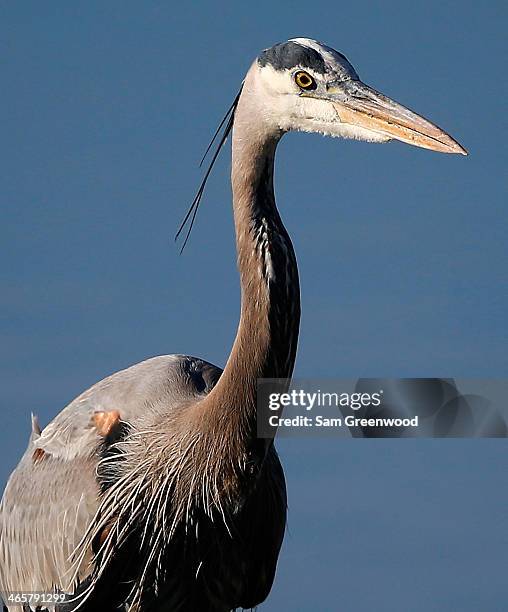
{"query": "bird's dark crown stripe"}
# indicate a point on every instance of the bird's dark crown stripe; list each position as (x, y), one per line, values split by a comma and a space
(285, 56)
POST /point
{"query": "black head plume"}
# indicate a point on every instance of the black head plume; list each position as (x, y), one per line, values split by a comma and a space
(227, 124)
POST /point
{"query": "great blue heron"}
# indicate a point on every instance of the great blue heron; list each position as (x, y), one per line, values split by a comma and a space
(151, 490)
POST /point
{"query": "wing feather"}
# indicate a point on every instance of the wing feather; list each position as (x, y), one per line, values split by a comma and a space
(52, 496)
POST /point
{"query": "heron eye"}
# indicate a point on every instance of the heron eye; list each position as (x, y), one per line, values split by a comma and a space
(304, 80)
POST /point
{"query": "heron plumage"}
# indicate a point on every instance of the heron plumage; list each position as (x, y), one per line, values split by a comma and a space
(151, 490)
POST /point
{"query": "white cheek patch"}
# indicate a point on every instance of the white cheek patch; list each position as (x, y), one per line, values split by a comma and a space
(275, 82)
(283, 108)
(313, 115)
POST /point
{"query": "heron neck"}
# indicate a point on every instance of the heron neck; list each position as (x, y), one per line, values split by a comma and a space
(266, 340)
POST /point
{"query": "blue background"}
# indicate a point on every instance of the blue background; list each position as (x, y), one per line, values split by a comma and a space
(106, 109)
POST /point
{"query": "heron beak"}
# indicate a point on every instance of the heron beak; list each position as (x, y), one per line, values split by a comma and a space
(358, 104)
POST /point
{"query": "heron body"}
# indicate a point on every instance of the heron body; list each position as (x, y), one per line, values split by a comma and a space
(151, 490)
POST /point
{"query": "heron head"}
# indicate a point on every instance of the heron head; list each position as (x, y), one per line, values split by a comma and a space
(306, 86)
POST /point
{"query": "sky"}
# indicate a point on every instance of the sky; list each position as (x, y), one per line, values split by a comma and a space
(107, 108)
